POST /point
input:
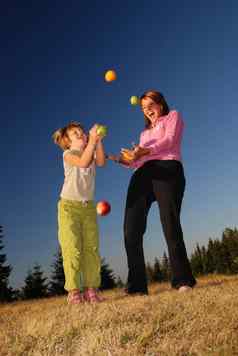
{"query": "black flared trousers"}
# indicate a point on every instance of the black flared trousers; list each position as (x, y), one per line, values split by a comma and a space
(162, 181)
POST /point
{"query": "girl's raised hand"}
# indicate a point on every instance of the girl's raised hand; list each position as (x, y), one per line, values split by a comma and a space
(93, 135)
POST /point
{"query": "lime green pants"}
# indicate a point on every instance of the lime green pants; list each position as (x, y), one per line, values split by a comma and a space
(79, 240)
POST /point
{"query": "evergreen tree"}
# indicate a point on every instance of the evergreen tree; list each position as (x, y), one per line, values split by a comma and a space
(149, 272)
(197, 261)
(5, 270)
(205, 260)
(35, 284)
(17, 294)
(219, 257)
(119, 282)
(235, 265)
(230, 249)
(107, 276)
(157, 272)
(56, 286)
(210, 257)
(165, 268)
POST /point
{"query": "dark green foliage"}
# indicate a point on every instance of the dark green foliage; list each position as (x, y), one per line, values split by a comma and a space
(57, 281)
(157, 272)
(35, 284)
(160, 271)
(149, 272)
(119, 282)
(107, 276)
(165, 268)
(197, 261)
(218, 257)
(5, 270)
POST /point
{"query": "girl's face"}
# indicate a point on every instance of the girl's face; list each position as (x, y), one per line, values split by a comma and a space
(151, 109)
(78, 139)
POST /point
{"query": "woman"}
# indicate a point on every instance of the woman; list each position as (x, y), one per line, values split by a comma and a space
(158, 176)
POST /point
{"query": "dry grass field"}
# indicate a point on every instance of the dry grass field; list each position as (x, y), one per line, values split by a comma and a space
(201, 322)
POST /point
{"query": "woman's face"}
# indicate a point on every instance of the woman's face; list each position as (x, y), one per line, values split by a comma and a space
(151, 109)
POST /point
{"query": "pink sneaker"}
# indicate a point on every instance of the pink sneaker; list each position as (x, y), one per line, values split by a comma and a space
(91, 295)
(75, 297)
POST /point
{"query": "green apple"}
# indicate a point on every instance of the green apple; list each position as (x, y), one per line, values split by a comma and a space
(102, 130)
(134, 100)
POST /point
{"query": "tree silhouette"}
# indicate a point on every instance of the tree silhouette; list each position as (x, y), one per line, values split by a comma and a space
(165, 268)
(230, 249)
(197, 261)
(218, 256)
(35, 284)
(107, 276)
(57, 281)
(149, 272)
(119, 282)
(5, 270)
(157, 272)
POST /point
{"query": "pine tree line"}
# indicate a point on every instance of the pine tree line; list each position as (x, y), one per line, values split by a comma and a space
(220, 257)
(36, 285)
(5, 270)
(159, 271)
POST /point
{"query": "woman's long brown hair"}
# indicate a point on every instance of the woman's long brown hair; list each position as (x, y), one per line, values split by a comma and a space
(158, 98)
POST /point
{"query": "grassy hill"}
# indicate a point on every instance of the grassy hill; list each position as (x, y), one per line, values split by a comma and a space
(201, 322)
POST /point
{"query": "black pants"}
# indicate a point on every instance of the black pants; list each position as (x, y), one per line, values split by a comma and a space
(164, 182)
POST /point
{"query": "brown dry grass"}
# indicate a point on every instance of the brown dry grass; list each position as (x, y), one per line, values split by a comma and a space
(201, 322)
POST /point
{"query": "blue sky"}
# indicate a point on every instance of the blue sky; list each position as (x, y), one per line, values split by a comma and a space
(54, 56)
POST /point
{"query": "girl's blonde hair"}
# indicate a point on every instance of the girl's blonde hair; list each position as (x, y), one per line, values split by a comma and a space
(60, 136)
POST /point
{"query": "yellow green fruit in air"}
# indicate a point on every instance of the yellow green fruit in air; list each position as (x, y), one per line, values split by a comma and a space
(110, 75)
(134, 100)
(102, 130)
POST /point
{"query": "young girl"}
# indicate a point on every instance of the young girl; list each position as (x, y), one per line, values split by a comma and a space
(77, 219)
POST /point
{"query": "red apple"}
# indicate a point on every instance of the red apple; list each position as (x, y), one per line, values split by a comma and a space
(103, 208)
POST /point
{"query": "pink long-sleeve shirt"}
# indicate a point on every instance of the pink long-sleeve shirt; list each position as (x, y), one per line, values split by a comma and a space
(164, 139)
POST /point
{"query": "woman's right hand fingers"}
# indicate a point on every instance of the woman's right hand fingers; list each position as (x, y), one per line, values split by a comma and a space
(127, 156)
(127, 152)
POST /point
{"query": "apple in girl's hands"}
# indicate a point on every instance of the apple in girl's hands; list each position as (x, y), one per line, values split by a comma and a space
(103, 208)
(102, 130)
(96, 133)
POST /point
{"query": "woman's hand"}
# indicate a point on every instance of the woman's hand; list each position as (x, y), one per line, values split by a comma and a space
(118, 159)
(134, 154)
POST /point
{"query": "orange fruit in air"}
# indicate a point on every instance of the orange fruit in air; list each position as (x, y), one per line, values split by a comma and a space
(110, 75)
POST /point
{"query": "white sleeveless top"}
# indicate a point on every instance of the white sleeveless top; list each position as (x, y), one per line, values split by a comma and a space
(79, 183)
